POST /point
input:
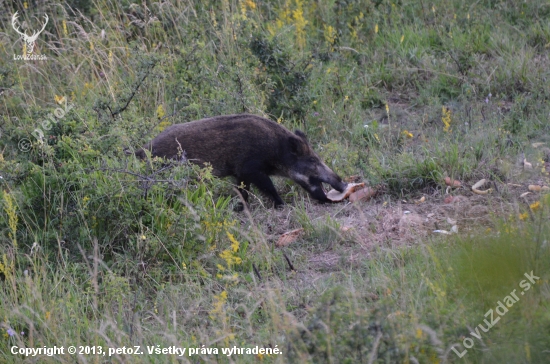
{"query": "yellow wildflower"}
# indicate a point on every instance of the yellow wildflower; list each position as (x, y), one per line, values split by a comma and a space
(299, 24)
(330, 35)
(219, 301)
(160, 111)
(535, 206)
(10, 210)
(446, 118)
(234, 242)
(59, 99)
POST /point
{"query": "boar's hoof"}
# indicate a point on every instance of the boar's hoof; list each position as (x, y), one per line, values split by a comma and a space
(279, 206)
(239, 207)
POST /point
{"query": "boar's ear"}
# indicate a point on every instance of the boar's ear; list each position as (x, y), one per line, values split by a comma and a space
(296, 145)
(301, 134)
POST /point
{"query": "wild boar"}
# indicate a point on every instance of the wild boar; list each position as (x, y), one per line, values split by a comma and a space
(249, 148)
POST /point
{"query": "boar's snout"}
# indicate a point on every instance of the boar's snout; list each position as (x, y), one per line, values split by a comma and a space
(326, 175)
(312, 177)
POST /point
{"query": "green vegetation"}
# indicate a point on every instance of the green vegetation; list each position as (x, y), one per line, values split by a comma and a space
(100, 249)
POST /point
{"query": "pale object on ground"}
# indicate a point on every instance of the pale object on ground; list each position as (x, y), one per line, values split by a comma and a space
(288, 237)
(481, 183)
(362, 194)
(336, 196)
(537, 188)
(454, 230)
(448, 199)
(421, 200)
(452, 182)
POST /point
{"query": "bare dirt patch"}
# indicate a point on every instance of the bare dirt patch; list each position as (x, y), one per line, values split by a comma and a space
(341, 234)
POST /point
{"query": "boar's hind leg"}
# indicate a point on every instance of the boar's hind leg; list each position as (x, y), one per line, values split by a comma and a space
(244, 194)
(264, 184)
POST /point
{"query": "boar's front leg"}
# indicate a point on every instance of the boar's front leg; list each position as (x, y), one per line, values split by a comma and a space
(264, 184)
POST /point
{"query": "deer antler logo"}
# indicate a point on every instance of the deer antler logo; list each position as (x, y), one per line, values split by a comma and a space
(28, 39)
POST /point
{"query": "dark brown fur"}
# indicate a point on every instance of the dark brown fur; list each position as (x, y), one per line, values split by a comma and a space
(249, 148)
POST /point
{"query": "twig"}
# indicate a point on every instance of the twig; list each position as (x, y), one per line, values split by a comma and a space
(348, 49)
(458, 65)
(374, 352)
(134, 91)
(241, 93)
(289, 263)
(256, 271)
(142, 177)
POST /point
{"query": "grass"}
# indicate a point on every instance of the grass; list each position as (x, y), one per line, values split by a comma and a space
(101, 250)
